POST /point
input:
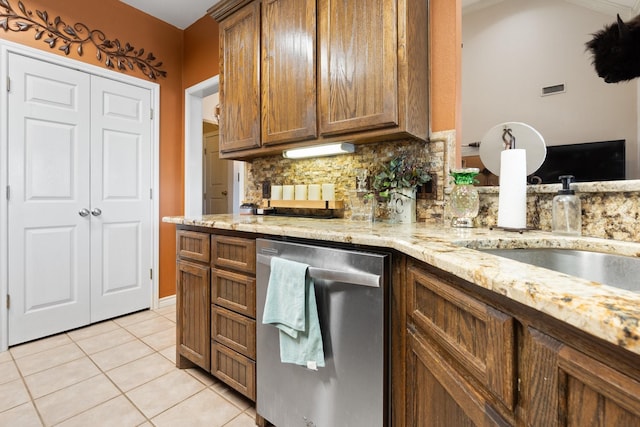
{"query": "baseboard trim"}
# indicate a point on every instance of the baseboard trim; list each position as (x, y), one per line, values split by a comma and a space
(167, 301)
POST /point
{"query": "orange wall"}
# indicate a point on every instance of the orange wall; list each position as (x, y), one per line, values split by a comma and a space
(201, 51)
(446, 53)
(117, 20)
(191, 56)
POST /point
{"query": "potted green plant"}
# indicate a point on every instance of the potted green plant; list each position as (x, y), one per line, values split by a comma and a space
(396, 183)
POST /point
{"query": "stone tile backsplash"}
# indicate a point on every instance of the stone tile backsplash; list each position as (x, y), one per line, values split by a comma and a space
(340, 170)
(611, 210)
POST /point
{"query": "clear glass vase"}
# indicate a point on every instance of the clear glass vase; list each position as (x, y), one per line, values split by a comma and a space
(465, 201)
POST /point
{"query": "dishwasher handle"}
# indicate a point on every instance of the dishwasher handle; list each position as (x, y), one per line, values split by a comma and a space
(350, 277)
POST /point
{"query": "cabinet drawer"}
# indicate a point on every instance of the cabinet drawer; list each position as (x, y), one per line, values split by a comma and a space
(235, 253)
(477, 336)
(234, 291)
(192, 245)
(234, 369)
(234, 330)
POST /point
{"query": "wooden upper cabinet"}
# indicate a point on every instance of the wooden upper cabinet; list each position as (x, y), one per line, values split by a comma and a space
(240, 79)
(288, 71)
(358, 65)
(308, 72)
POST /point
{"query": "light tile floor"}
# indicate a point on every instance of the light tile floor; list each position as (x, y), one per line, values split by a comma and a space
(119, 372)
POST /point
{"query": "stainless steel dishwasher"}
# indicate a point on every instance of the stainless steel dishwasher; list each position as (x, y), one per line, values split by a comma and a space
(351, 290)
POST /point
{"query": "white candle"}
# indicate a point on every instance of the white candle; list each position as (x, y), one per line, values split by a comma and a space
(301, 192)
(512, 199)
(328, 192)
(314, 192)
(287, 192)
(276, 192)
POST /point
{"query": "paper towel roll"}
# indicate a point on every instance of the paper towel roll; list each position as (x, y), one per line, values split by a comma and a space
(512, 199)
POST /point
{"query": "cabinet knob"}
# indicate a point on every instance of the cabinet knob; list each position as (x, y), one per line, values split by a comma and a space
(83, 212)
(96, 212)
(225, 192)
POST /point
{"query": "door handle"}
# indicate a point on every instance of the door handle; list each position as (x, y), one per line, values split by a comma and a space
(224, 193)
(349, 277)
(83, 212)
(96, 212)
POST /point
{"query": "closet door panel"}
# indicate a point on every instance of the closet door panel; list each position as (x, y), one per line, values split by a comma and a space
(48, 174)
(121, 203)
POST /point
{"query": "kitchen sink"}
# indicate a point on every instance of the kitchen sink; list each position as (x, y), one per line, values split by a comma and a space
(609, 269)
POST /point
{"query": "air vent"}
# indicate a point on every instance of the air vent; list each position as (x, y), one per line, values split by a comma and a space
(552, 90)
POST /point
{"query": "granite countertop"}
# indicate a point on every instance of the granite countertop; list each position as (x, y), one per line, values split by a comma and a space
(606, 312)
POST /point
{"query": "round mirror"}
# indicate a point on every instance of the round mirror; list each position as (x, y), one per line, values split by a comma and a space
(520, 135)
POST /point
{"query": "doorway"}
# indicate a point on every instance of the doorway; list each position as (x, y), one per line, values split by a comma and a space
(194, 191)
(215, 176)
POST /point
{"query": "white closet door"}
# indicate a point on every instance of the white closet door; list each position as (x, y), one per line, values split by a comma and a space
(121, 206)
(48, 175)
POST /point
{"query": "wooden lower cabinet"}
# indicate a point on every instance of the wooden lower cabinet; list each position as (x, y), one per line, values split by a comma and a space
(565, 387)
(462, 355)
(439, 396)
(233, 312)
(216, 306)
(474, 358)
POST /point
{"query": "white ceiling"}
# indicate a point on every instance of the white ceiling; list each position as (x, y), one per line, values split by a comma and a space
(180, 14)
(626, 8)
(183, 13)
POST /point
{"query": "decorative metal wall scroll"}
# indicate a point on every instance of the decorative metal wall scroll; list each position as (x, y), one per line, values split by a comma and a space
(66, 37)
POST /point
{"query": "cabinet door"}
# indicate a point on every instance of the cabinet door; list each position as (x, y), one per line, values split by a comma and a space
(358, 65)
(596, 394)
(478, 337)
(288, 70)
(193, 315)
(438, 396)
(564, 387)
(240, 79)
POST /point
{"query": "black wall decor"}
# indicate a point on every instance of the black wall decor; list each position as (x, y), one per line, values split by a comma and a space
(56, 33)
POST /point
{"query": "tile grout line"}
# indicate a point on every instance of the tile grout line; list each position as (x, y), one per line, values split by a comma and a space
(26, 387)
(100, 372)
(104, 373)
(121, 392)
(32, 400)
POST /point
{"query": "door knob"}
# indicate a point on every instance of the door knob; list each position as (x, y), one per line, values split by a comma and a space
(224, 193)
(83, 212)
(96, 212)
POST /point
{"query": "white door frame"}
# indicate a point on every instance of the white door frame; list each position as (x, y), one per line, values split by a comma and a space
(193, 191)
(5, 48)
